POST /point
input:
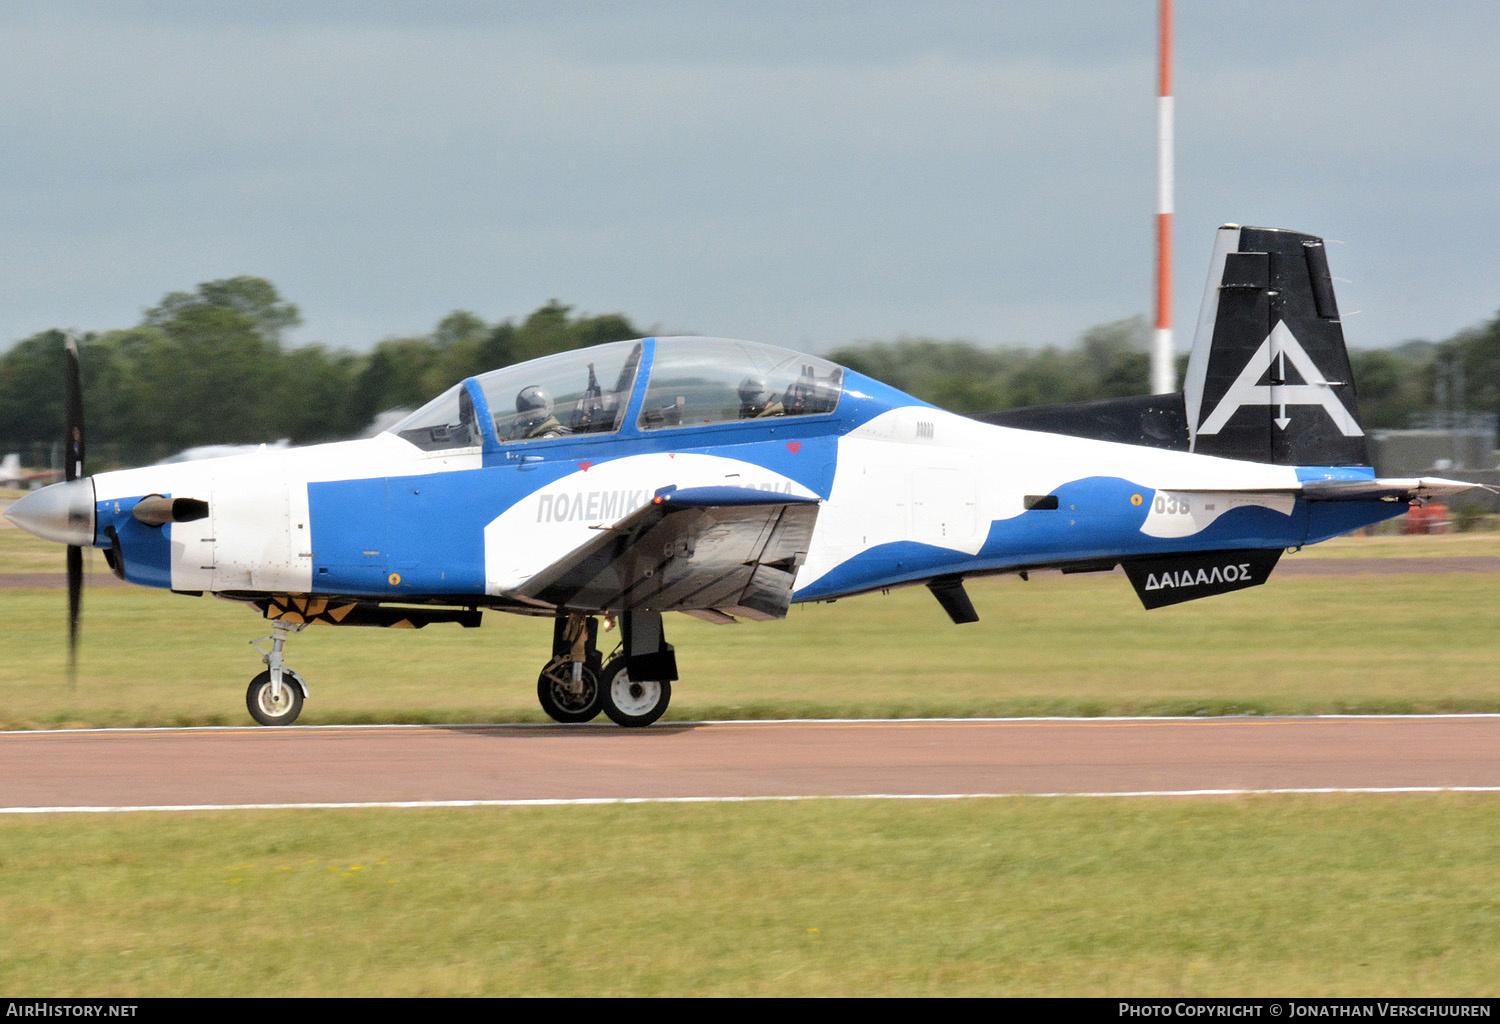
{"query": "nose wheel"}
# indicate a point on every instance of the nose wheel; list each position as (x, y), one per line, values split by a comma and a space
(275, 705)
(275, 696)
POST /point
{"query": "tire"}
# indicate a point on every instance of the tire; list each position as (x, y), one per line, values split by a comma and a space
(554, 691)
(630, 703)
(263, 710)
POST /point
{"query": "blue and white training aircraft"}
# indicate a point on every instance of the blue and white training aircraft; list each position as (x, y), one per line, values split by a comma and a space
(726, 479)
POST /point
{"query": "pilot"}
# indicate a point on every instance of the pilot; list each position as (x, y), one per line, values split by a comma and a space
(757, 399)
(810, 395)
(534, 414)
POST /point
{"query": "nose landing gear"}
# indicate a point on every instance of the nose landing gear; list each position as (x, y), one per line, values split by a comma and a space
(275, 696)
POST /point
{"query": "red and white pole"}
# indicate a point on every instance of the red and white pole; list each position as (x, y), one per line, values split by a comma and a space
(1163, 370)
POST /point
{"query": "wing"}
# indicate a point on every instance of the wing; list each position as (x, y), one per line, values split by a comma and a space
(714, 552)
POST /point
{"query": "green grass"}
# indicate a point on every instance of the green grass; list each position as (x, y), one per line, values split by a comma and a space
(22, 552)
(1259, 896)
(1396, 545)
(1055, 645)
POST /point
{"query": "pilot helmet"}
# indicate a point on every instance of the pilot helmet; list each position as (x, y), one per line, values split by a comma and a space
(755, 392)
(534, 401)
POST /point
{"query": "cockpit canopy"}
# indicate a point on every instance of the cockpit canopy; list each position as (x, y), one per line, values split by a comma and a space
(581, 392)
(696, 381)
(692, 382)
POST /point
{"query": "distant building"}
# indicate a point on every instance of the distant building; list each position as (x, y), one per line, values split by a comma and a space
(1465, 450)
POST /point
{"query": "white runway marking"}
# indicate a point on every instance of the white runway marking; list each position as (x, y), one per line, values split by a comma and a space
(591, 801)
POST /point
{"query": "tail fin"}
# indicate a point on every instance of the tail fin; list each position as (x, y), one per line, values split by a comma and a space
(1268, 379)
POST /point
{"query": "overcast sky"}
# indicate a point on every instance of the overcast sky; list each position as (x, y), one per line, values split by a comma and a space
(805, 173)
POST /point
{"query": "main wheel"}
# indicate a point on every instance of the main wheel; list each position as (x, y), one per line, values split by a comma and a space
(564, 701)
(266, 708)
(631, 703)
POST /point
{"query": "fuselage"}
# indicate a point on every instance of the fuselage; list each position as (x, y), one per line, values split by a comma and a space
(907, 492)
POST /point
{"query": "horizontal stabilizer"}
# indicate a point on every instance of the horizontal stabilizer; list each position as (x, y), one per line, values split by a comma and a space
(1151, 421)
(1415, 489)
(1394, 489)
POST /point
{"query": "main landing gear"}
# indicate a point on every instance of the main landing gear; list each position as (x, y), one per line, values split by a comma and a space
(275, 696)
(631, 702)
(633, 688)
(569, 684)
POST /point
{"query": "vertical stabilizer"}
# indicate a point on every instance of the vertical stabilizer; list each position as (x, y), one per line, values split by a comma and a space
(1269, 378)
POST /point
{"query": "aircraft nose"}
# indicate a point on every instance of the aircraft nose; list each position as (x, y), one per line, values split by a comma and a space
(61, 512)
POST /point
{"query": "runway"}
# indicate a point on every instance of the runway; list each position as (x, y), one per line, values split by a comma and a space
(423, 765)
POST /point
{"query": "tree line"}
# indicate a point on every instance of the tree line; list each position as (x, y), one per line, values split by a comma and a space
(210, 367)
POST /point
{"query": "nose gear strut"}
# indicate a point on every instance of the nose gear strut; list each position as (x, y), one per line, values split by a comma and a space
(275, 696)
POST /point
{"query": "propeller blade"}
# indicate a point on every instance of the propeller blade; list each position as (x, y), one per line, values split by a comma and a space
(75, 603)
(73, 412)
(73, 470)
